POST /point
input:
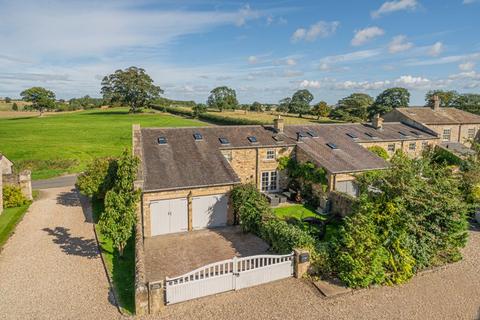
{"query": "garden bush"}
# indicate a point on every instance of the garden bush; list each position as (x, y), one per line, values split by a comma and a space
(98, 177)
(379, 151)
(250, 207)
(13, 197)
(284, 237)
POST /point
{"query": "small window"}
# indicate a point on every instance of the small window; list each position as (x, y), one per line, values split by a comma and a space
(425, 145)
(312, 134)
(197, 136)
(412, 146)
(252, 139)
(471, 133)
(278, 138)
(271, 154)
(391, 147)
(162, 140)
(352, 135)
(332, 146)
(447, 134)
(224, 141)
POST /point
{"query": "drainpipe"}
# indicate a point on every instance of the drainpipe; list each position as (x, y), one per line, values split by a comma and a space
(459, 133)
(257, 177)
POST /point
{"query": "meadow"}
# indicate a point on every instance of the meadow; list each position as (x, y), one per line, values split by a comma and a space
(63, 143)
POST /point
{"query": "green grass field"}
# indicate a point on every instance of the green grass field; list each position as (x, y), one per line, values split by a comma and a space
(9, 219)
(65, 143)
(298, 211)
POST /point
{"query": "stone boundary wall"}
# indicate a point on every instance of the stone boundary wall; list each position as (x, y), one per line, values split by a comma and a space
(22, 180)
(1, 193)
(341, 204)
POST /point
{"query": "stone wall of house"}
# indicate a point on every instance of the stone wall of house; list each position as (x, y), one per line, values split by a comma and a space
(341, 204)
(459, 133)
(23, 180)
(1, 193)
(149, 197)
(249, 163)
(403, 145)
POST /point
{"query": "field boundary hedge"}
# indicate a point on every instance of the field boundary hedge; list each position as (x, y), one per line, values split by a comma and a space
(209, 117)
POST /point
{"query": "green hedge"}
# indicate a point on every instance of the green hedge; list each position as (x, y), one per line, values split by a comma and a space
(284, 237)
(209, 117)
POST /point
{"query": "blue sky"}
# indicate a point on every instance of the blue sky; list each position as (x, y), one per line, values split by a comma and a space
(266, 50)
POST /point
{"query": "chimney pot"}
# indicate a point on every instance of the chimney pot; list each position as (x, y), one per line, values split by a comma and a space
(278, 124)
(377, 122)
(436, 102)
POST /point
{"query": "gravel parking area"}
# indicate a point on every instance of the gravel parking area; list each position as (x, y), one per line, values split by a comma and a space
(51, 268)
(449, 293)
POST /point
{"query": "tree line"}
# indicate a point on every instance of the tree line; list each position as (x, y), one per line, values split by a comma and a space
(134, 88)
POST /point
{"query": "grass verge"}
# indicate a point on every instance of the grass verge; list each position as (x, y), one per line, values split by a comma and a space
(120, 269)
(9, 219)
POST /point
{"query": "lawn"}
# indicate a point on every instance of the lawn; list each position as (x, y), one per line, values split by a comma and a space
(120, 269)
(9, 218)
(64, 143)
(297, 211)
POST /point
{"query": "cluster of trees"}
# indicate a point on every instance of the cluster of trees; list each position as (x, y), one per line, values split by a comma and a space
(407, 219)
(450, 98)
(112, 180)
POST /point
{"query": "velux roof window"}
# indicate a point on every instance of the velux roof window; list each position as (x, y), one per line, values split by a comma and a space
(197, 136)
(252, 139)
(162, 140)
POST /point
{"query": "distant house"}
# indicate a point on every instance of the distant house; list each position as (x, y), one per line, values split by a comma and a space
(6, 166)
(187, 173)
(453, 126)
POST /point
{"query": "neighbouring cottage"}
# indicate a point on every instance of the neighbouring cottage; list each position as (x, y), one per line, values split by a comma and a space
(456, 128)
(5, 168)
(186, 174)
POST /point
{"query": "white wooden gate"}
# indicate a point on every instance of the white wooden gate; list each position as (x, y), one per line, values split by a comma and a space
(232, 274)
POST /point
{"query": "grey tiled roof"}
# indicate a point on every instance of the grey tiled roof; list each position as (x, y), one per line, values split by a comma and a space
(442, 116)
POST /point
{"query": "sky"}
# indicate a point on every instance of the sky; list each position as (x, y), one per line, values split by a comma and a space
(265, 50)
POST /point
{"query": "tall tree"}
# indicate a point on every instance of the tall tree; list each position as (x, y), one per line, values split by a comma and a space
(41, 98)
(222, 98)
(8, 100)
(256, 106)
(118, 220)
(388, 100)
(447, 97)
(321, 109)
(469, 102)
(353, 108)
(132, 87)
(284, 104)
(301, 102)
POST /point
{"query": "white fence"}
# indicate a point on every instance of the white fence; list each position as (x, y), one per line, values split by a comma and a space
(232, 274)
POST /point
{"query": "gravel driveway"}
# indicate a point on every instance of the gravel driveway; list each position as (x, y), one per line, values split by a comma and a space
(449, 293)
(51, 268)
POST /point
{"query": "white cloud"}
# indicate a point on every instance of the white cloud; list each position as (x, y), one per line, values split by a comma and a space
(312, 84)
(252, 59)
(291, 62)
(465, 75)
(398, 44)
(469, 1)
(352, 56)
(362, 85)
(392, 6)
(321, 29)
(445, 60)
(412, 82)
(292, 73)
(436, 49)
(364, 35)
(466, 66)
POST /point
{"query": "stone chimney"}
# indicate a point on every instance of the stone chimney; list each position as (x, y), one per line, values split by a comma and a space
(278, 124)
(377, 122)
(436, 102)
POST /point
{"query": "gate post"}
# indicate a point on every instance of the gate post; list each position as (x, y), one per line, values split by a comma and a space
(156, 297)
(302, 262)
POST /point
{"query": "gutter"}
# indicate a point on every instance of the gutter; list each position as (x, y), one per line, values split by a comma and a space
(193, 187)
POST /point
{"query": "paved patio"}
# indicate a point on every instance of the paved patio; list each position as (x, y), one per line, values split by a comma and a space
(176, 254)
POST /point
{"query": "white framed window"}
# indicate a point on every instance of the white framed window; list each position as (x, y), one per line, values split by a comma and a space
(471, 133)
(391, 147)
(271, 154)
(412, 146)
(269, 181)
(447, 134)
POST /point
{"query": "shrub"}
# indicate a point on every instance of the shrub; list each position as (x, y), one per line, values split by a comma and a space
(98, 178)
(13, 197)
(15, 106)
(250, 207)
(284, 237)
(379, 151)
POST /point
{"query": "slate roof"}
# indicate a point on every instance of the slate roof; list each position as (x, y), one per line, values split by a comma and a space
(427, 115)
(183, 162)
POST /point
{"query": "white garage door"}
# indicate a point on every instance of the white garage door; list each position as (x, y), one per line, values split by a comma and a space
(209, 211)
(169, 216)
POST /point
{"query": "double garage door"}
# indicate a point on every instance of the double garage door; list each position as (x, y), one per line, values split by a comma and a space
(170, 216)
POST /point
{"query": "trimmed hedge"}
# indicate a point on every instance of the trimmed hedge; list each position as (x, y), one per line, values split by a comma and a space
(209, 117)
